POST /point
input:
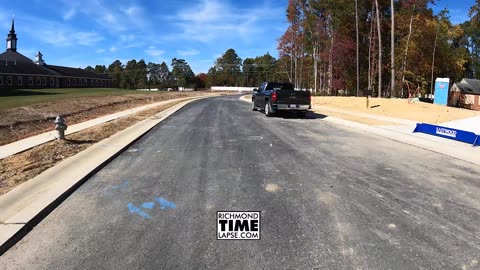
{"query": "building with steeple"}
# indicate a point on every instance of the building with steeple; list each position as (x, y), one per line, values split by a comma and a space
(12, 39)
(19, 72)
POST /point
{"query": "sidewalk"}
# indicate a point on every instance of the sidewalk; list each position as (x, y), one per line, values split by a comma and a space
(25, 144)
(468, 124)
(24, 206)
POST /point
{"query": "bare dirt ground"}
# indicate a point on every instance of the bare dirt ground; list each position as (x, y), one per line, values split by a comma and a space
(399, 108)
(21, 167)
(23, 122)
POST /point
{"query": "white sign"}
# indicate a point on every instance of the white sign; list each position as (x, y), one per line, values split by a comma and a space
(234, 225)
(446, 132)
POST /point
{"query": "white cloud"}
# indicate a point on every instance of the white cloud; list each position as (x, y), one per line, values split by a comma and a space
(56, 33)
(132, 10)
(112, 16)
(113, 49)
(65, 37)
(69, 14)
(190, 52)
(127, 37)
(100, 50)
(154, 52)
(87, 38)
(213, 20)
(109, 18)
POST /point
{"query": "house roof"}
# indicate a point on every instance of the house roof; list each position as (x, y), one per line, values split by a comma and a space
(12, 67)
(469, 86)
(76, 72)
(14, 56)
(15, 63)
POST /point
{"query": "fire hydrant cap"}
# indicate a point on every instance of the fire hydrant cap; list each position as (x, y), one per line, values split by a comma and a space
(59, 119)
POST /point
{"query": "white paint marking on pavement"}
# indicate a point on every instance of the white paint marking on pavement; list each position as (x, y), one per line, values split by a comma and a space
(272, 188)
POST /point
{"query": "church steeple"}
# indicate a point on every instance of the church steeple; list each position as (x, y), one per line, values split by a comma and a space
(12, 39)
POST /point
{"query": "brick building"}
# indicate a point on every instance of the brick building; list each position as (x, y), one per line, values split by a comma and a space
(18, 71)
(465, 94)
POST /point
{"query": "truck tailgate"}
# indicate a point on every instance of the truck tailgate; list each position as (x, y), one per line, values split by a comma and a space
(293, 97)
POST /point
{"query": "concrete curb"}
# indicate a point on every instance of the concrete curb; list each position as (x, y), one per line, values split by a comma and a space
(27, 143)
(26, 205)
(449, 148)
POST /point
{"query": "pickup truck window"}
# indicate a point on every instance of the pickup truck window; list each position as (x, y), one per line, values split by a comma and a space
(262, 87)
(280, 86)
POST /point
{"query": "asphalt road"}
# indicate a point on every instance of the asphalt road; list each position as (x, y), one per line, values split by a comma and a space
(330, 198)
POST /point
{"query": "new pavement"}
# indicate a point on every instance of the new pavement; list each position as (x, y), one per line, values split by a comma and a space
(330, 198)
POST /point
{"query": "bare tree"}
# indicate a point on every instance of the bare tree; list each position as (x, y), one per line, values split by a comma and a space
(370, 50)
(405, 55)
(379, 51)
(392, 50)
(358, 65)
(433, 60)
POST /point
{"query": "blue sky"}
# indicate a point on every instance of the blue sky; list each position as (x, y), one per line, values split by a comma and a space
(458, 9)
(89, 32)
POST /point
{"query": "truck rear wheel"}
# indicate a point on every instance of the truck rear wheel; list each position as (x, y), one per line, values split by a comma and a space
(268, 111)
(253, 106)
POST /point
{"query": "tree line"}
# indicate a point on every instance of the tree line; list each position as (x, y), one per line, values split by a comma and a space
(391, 47)
(228, 70)
(141, 75)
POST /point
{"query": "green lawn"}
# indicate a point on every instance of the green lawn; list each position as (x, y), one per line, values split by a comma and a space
(24, 97)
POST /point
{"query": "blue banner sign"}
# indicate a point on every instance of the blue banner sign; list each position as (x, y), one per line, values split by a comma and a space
(449, 133)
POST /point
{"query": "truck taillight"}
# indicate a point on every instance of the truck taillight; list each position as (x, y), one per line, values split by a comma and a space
(274, 97)
(309, 97)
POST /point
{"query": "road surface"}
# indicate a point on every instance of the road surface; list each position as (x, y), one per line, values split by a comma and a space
(330, 198)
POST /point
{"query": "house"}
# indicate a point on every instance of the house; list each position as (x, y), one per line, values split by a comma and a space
(18, 71)
(465, 94)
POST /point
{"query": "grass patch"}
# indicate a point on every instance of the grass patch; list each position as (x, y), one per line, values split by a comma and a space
(23, 97)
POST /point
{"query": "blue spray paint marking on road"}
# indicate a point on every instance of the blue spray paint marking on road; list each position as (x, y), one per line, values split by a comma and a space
(148, 205)
(164, 204)
(138, 211)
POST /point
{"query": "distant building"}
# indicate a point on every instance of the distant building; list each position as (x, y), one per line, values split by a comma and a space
(465, 94)
(18, 71)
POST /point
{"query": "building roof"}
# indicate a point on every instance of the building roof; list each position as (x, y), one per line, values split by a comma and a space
(14, 56)
(469, 86)
(12, 62)
(12, 67)
(76, 72)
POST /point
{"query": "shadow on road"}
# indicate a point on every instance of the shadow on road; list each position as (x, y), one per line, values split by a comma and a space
(293, 115)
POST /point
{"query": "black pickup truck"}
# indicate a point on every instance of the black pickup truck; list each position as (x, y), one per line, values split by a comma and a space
(272, 97)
